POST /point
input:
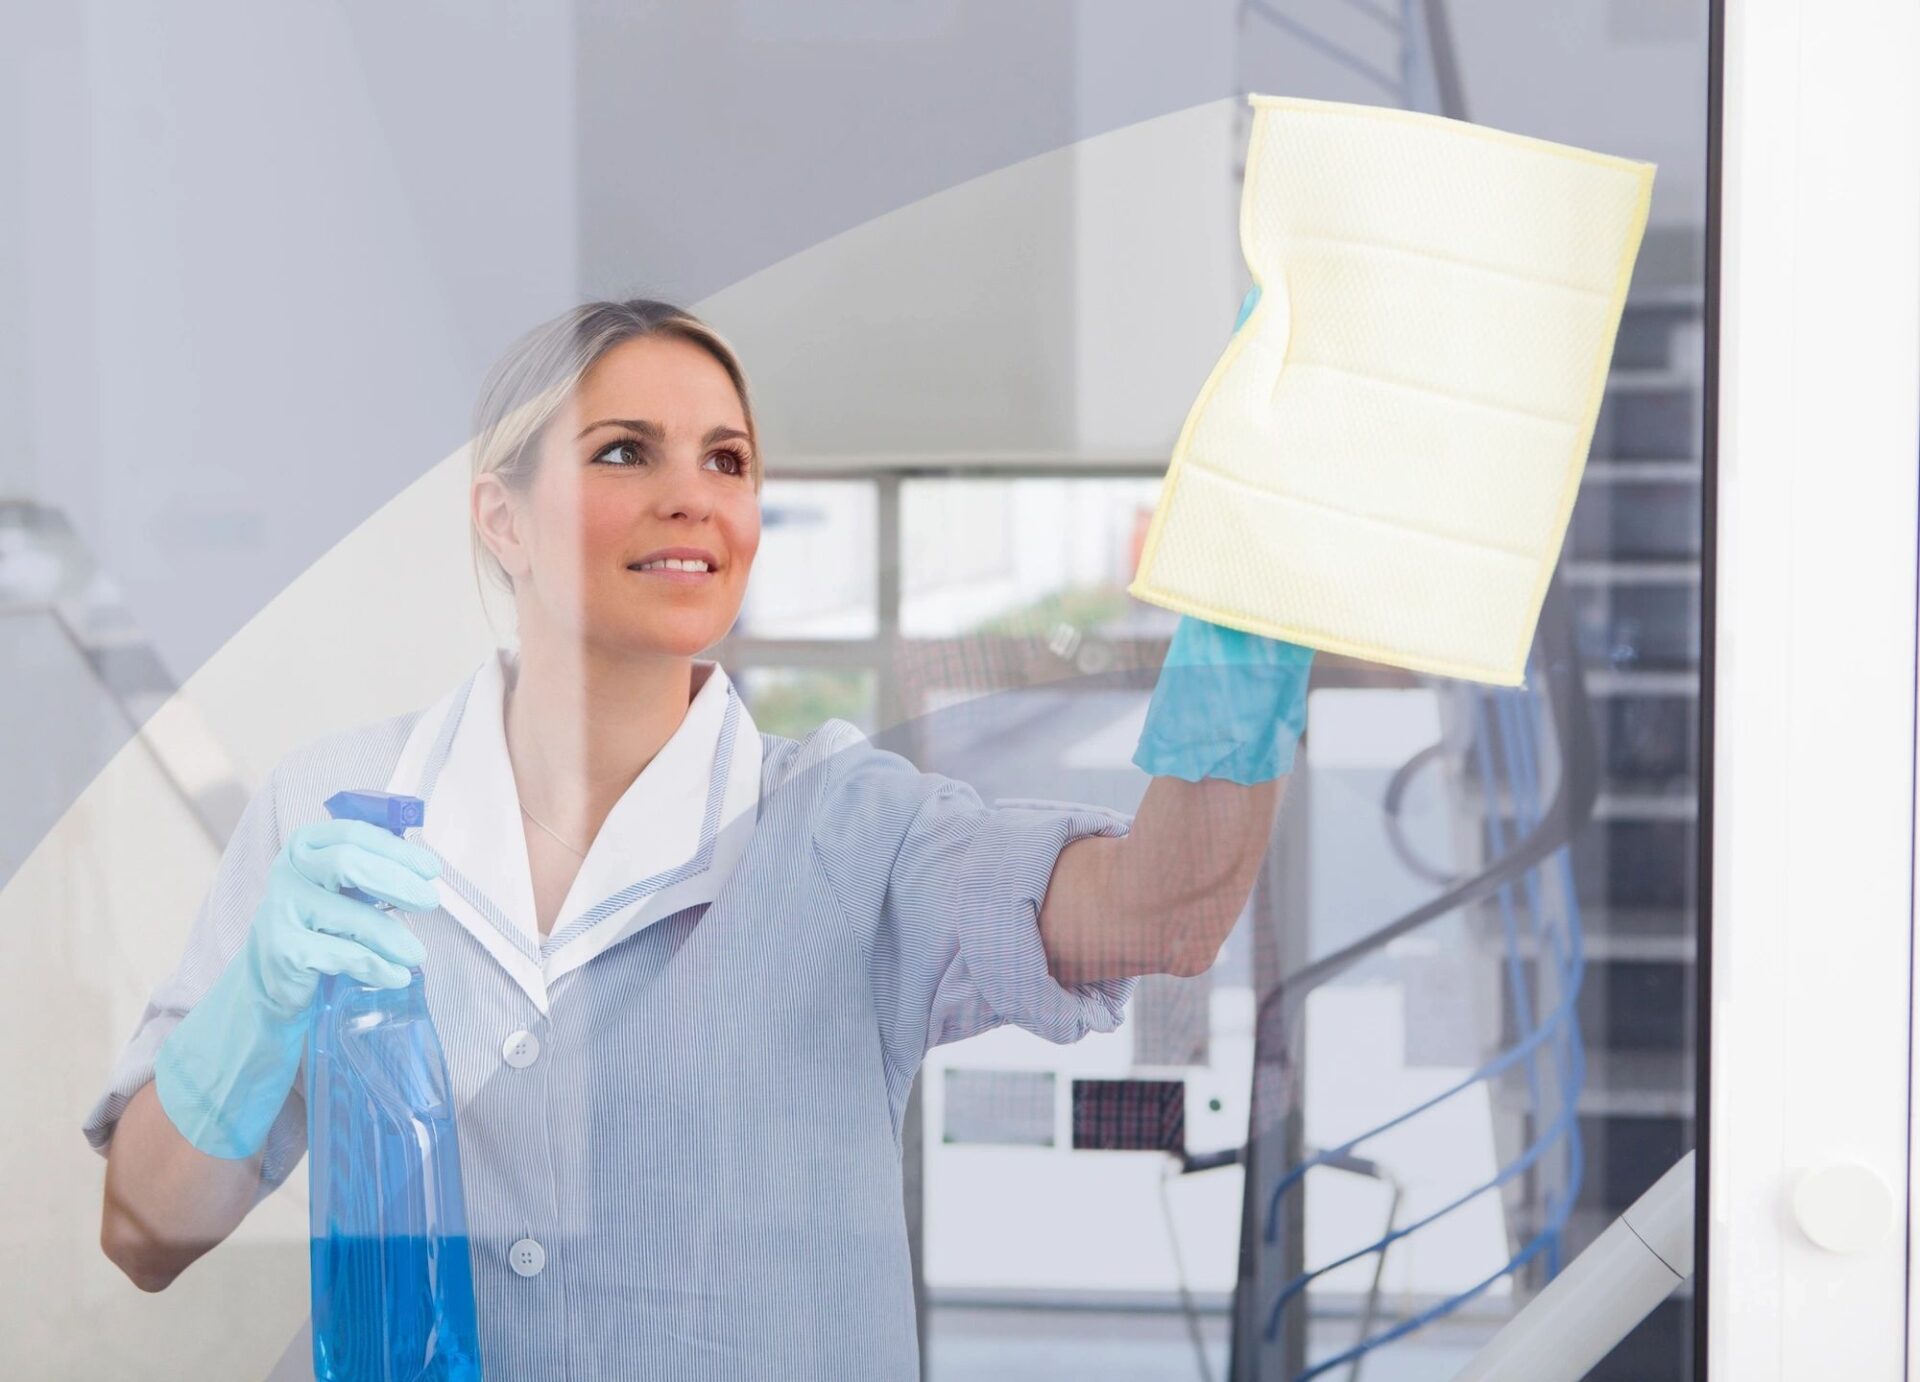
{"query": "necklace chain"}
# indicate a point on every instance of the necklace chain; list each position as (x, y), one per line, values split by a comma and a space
(551, 831)
(507, 703)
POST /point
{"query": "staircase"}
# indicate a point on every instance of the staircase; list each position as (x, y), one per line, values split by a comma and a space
(1630, 578)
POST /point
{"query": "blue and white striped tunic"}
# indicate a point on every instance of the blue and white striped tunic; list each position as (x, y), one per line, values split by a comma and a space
(680, 1117)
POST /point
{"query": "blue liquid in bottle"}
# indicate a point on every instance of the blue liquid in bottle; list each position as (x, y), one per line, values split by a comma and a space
(392, 1279)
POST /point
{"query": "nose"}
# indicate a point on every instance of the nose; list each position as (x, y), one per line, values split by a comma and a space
(680, 493)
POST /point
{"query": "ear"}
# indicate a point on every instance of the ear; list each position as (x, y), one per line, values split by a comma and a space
(496, 517)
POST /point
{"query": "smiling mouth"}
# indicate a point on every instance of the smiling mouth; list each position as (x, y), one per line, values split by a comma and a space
(678, 573)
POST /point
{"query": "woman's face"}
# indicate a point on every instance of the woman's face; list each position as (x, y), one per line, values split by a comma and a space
(651, 453)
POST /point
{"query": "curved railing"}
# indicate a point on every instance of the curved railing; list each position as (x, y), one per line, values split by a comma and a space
(1528, 882)
(1527, 879)
(1529, 922)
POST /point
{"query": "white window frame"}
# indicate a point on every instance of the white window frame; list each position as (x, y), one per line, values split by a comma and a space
(1813, 688)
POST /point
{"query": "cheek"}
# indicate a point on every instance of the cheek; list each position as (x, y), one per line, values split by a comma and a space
(575, 520)
(743, 532)
(606, 529)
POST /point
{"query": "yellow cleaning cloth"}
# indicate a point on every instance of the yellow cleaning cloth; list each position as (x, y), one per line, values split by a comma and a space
(1383, 462)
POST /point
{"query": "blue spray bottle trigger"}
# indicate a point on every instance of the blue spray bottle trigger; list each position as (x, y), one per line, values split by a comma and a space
(388, 810)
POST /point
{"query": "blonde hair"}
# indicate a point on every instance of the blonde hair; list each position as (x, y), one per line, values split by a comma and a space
(534, 378)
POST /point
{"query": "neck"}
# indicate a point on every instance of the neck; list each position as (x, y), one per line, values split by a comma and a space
(582, 724)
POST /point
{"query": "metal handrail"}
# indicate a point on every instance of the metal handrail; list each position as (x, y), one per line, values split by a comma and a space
(1571, 808)
(1559, 690)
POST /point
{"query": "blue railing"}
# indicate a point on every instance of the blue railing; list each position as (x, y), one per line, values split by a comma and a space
(1529, 920)
(1516, 742)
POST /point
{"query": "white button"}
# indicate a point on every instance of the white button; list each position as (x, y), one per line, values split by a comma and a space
(521, 1050)
(1844, 1208)
(527, 1257)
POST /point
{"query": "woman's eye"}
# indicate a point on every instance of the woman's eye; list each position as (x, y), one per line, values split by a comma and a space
(629, 452)
(625, 447)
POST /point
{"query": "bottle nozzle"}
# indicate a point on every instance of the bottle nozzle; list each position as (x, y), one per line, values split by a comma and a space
(388, 810)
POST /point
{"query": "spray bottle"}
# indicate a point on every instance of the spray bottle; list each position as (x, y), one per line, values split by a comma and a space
(392, 1279)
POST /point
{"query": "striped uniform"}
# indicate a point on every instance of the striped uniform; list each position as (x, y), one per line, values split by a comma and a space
(680, 1117)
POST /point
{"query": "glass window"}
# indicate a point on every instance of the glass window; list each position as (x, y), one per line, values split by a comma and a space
(792, 701)
(814, 576)
(977, 261)
(1021, 555)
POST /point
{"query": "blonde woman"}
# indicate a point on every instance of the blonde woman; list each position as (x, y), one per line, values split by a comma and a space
(684, 971)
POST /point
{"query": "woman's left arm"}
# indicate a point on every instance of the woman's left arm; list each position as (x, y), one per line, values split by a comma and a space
(1161, 898)
(1227, 712)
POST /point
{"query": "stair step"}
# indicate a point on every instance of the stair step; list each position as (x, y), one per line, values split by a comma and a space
(1612, 472)
(1608, 806)
(1631, 572)
(1652, 380)
(1676, 298)
(1606, 681)
(1602, 947)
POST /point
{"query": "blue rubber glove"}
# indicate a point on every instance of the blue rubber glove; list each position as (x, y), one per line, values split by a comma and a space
(1227, 704)
(223, 1074)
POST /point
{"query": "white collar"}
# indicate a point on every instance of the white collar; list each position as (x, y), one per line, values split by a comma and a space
(669, 842)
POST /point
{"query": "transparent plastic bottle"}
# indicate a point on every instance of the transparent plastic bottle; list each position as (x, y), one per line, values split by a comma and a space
(392, 1279)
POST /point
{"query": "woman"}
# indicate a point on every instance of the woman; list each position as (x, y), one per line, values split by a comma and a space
(684, 971)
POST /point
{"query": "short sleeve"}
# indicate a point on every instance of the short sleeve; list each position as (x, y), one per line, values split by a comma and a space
(218, 931)
(957, 886)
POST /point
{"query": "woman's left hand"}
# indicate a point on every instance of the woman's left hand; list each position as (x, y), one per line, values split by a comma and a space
(1227, 705)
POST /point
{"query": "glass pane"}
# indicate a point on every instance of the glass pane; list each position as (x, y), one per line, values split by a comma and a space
(1056, 1247)
(1022, 555)
(977, 261)
(1624, 625)
(814, 576)
(792, 701)
(1453, 1100)
(1633, 518)
(1650, 742)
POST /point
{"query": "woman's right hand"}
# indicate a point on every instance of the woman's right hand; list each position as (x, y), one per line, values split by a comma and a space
(304, 926)
(223, 1073)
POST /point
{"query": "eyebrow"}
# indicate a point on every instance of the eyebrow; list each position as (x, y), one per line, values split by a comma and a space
(652, 431)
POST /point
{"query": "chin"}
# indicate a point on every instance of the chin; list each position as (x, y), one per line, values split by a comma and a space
(675, 642)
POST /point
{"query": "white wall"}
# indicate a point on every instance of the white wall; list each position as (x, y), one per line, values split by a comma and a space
(262, 256)
(1626, 77)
